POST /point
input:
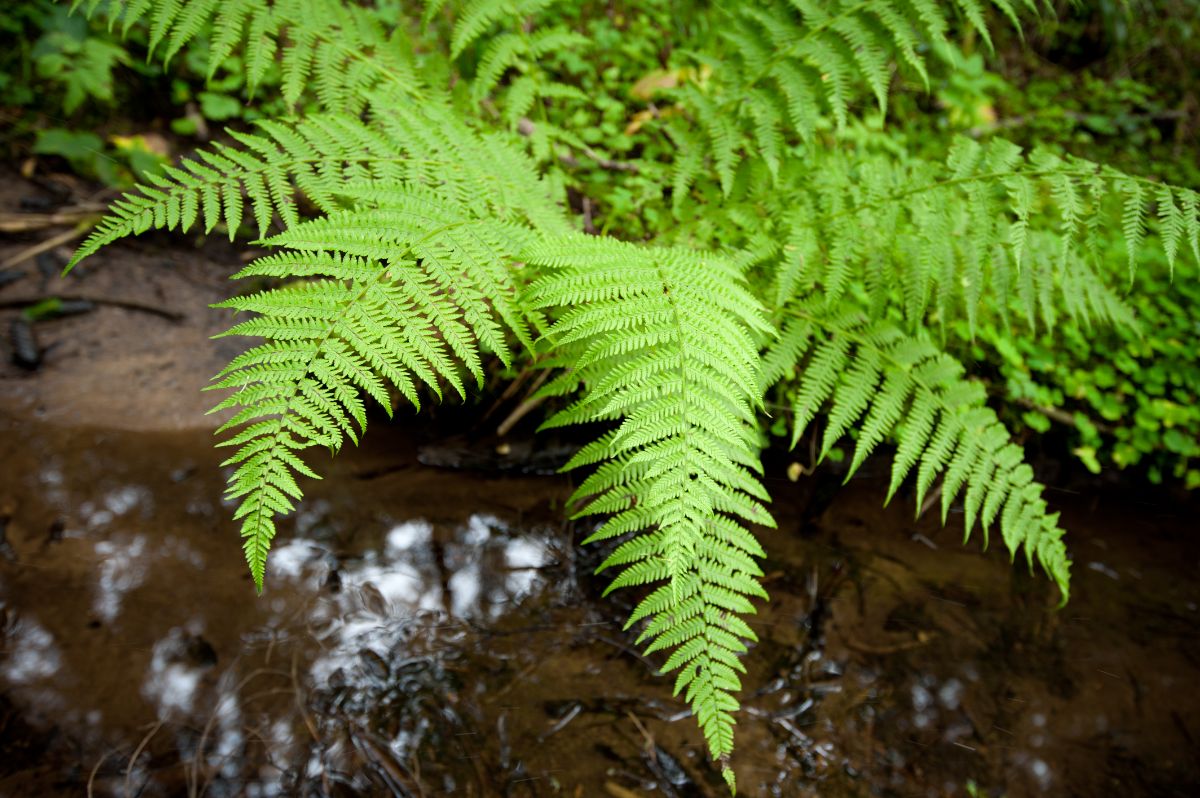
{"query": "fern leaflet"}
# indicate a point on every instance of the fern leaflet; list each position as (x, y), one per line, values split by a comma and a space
(887, 383)
(401, 290)
(665, 349)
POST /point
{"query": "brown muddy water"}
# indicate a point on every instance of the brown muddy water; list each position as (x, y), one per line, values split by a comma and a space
(429, 630)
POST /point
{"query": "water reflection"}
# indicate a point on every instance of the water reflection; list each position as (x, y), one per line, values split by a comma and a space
(122, 568)
(472, 571)
(31, 653)
(177, 664)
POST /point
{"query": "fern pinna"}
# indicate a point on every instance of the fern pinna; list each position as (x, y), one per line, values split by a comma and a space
(889, 384)
(412, 236)
(403, 289)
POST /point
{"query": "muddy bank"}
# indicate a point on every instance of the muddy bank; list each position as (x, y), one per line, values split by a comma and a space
(138, 349)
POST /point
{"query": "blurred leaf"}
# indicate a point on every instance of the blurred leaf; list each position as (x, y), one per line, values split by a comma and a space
(1087, 456)
(69, 144)
(653, 82)
(218, 107)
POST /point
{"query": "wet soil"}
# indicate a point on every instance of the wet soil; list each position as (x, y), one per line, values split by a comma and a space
(432, 630)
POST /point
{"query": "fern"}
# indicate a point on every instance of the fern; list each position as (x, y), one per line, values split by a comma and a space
(516, 50)
(407, 286)
(885, 383)
(664, 347)
(338, 48)
(411, 236)
(318, 157)
(782, 66)
(507, 50)
(976, 226)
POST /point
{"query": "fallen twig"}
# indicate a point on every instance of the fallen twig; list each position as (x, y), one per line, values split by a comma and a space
(528, 404)
(126, 304)
(883, 650)
(138, 752)
(1061, 416)
(25, 222)
(50, 243)
(526, 127)
(96, 769)
(933, 496)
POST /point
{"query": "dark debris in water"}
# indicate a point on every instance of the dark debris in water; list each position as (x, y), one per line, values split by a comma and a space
(26, 353)
(9, 276)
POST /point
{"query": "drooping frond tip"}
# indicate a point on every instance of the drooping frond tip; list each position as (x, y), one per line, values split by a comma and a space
(885, 383)
(662, 343)
(405, 306)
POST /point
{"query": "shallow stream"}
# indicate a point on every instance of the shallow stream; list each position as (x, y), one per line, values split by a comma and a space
(428, 631)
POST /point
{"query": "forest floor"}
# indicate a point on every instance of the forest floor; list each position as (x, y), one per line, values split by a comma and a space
(430, 625)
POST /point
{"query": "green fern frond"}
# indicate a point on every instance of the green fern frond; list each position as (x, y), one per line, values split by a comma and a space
(889, 384)
(679, 472)
(812, 60)
(972, 11)
(502, 43)
(723, 137)
(688, 166)
(479, 15)
(980, 225)
(514, 50)
(339, 48)
(800, 90)
(402, 290)
(318, 157)
(1132, 220)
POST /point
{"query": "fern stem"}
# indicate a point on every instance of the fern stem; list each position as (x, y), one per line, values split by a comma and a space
(684, 422)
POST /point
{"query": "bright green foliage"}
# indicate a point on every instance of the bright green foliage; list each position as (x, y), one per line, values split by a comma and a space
(120, 165)
(1123, 397)
(884, 383)
(83, 67)
(789, 251)
(780, 68)
(493, 42)
(341, 49)
(402, 289)
(58, 74)
(662, 340)
(968, 229)
(60, 64)
(319, 156)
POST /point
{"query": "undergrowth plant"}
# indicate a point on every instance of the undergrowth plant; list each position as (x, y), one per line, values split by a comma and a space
(422, 202)
(1123, 400)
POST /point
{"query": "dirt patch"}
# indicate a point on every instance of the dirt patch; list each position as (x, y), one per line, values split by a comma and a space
(140, 358)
